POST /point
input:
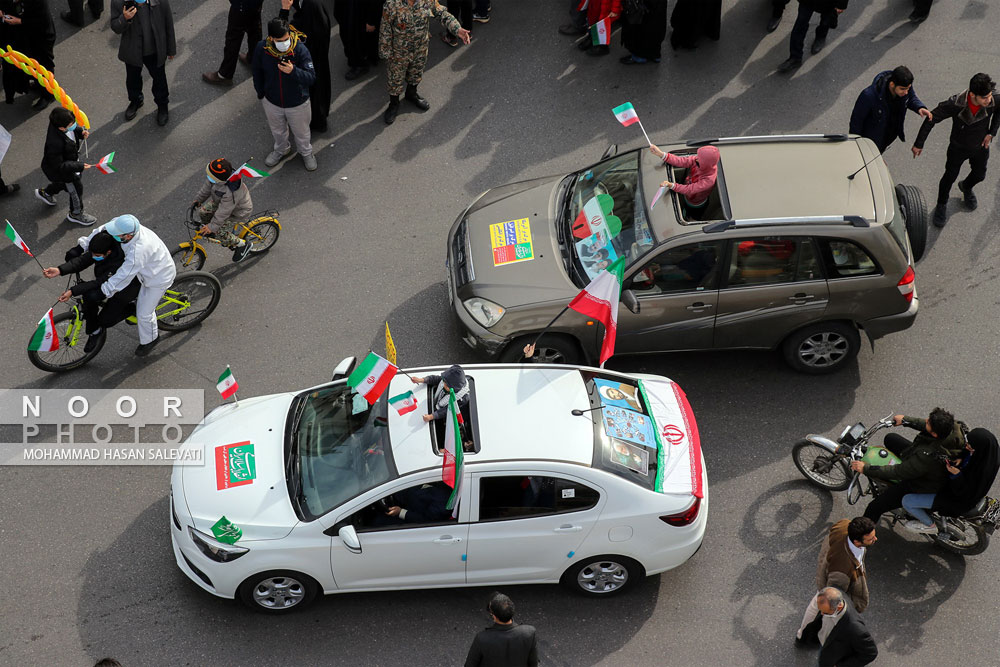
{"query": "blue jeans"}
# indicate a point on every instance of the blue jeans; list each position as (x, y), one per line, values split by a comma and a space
(801, 28)
(917, 504)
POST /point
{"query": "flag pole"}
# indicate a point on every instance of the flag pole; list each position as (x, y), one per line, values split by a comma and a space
(644, 131)
(549, 326)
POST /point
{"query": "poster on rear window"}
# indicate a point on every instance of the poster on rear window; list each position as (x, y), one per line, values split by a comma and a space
(618, 394)
(629, 425)
(629, 456)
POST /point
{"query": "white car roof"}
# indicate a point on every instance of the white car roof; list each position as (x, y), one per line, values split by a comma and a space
(523, 413)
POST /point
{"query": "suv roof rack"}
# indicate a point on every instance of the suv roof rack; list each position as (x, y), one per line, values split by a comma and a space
(769, 138)
(723, 225)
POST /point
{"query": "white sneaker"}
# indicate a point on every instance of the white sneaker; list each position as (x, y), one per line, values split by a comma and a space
(917, 527)
(274, 157)
(82, 218)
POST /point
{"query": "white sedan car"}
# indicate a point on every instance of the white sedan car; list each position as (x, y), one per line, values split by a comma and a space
(575, 475)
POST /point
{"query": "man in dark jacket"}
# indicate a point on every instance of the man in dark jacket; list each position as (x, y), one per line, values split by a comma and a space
(243, 19)
(881, 107)
(920, 469)
(845, 638)
(829, 11)
(505, 643)
(106, 256)
(359, 25)
(147, 31)
(282, 73)
(62, 166)
(314, 20)
(974, 124)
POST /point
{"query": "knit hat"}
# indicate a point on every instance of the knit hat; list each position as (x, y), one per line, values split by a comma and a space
(101, 243)
(454, 377)
(220, 169)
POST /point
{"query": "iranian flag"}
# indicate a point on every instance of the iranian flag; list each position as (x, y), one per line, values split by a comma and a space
(404, 403)
(227, 384)
(45, 338)
(247, 171)
(16, 239)
(104, 166)
(599, 300)
(451, 469)
(626, 114)
(600, 32)
(372, 377)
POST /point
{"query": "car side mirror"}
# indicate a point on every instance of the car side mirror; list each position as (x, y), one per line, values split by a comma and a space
(350, 538)
(612, 150)
(631, 301)
(344, 368)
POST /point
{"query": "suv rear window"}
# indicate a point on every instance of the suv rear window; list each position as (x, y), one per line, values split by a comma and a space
(845, 259)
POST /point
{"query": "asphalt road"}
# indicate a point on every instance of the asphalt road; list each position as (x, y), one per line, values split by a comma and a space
(85, 557)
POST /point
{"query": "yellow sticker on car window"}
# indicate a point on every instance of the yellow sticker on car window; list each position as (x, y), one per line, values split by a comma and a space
(511, 242)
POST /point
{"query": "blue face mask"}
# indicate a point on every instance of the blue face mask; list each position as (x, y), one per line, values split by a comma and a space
(72, 126)
(211, 179)
(99, 258)
(140, 2)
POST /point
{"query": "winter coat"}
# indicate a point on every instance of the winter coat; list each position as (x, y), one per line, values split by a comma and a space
(146, 258)
(61, 158)
(280, 89)
(922, 464)
(967, 131)
(131, 47)
(973, 481)
(701, 176)
(103, 269)
(849, 643)
(880, 118)
(837, 562)
(233, 199)
(599, 9)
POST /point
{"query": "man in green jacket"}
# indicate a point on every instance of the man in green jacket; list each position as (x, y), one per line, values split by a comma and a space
(922, 466)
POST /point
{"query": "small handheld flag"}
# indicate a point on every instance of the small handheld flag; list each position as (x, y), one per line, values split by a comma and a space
(247, 171)
(600, 32)
(45, 338)
(404, 403)
(626, 115)
(656, 197)
(227, 384)
(104, 165)
(16, 239)
(372, 377)
(452, 454)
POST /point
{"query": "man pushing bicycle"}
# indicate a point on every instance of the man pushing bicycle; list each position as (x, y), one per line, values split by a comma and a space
(223, 203)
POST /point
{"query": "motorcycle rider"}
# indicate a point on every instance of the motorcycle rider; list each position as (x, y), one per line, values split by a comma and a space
(920, 469)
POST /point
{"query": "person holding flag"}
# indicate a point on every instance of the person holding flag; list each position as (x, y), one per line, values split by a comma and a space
(601, 16)
(222, 203)
(451, 379)
(703, 168)
(62, 166)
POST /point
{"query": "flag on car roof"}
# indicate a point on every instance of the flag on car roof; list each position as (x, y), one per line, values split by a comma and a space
(45, 338)
(16, 239)
(451, 468)
(104, 164)
(227, 384)
(626, 114)
(372, 377)
(600, 32)
(404, 403)
(599, 300)
(247, 171)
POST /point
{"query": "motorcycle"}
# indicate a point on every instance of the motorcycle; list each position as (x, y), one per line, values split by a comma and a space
(826, 464)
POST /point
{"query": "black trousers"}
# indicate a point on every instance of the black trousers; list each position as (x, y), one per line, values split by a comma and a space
(360, 46)
(133, 81)
(116, 307)
(74, 188)
(922, 7)
(892, 497)
(76, 9)
(462, 10)
(779, 6)
(797, 41)
(237, 25)
(977, 157)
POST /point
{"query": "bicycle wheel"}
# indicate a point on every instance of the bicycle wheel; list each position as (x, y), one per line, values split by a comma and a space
(261, 235)
(821, 466)
(192, 297)
(188, 257)
(70, 354)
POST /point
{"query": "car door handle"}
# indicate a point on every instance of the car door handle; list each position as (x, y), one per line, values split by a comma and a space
(801, 296)
(447, 539)
(566, 528)
(698, 305)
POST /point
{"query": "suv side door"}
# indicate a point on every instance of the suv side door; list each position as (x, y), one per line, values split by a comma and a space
(773, 286)
(678, 294)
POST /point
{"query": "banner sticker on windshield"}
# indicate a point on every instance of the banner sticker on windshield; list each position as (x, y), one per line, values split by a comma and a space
(511, 242)
(235, 465)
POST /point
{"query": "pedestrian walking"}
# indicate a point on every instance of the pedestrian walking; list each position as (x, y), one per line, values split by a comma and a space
(880, 109)
(282, 73)
(29, 28)
(694, 19)
(829, 15)
(578, 19)
(598, 10)
(644, 27)
(921, 10)
(147, 30)
(314, 20)
(505, 643)
(974, 124)
(841, 564)
(62, 166)
(243, 20)
(359, 22)
(843, 634)
(404, 39)
(75, 14)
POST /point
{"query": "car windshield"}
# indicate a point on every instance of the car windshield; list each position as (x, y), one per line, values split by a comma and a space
(337, 448)
(607, 216)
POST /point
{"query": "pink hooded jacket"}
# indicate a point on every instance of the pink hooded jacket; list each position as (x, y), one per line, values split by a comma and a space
(702, 170)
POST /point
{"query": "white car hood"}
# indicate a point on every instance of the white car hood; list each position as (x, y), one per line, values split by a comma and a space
(243, 482)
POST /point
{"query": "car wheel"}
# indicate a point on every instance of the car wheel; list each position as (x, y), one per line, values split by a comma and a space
(911, 203)
(603, 575)
(551, 349)
(822, 348)
(277, 591)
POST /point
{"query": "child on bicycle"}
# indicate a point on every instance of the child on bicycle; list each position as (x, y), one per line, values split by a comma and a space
(222, 205)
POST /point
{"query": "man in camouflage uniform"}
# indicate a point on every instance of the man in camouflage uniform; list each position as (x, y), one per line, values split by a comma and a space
(404, 37)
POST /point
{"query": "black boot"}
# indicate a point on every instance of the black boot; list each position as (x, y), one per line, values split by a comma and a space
(413, 96)
(392, 111)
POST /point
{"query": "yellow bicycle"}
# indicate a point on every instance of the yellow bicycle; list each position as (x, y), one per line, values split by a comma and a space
(261, 232)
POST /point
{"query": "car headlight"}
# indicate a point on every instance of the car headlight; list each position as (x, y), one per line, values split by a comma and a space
(484, 311)
(217, 551)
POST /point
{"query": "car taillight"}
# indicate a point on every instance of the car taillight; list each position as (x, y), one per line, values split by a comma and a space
(683, 518)
(906, 284)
